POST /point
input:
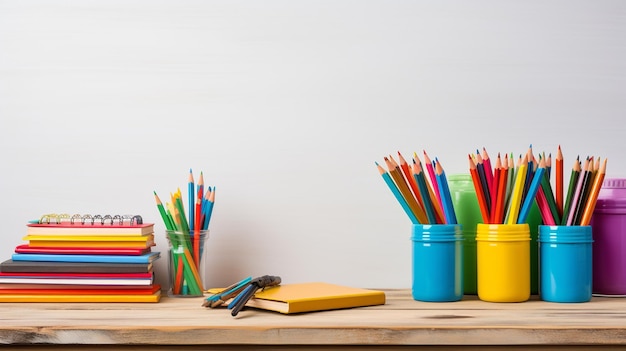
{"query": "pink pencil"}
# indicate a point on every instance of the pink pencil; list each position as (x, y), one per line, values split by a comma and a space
(544, 208)
(433, 177)
(572, 212)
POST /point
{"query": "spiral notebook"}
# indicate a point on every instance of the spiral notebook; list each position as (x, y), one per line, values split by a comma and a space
(65, 224)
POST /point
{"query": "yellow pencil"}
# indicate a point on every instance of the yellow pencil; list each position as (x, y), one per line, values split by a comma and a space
(518, 189)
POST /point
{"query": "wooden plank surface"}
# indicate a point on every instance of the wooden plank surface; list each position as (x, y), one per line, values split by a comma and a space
(401, 321)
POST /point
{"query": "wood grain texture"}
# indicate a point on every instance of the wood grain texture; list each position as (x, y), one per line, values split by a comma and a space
(401, 321)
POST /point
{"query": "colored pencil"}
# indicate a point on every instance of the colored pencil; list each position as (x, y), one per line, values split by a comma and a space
(418, 175)
(396, 193)
(209, 207)
(584, 192)
(431, 193)
(480, 195)
(573, 180)
(501, 199)
(489, 172)
(581, 179)
(166, 219)
(197, 226)
(404, 166)
(433, 179)
(480, 167)
(518, 190)
(495, 183)
(549, 194)
(559, 181)
(544, 208)
(446, 197)
(396, 175)
(593, 195)
(532, 192)
(191, 197)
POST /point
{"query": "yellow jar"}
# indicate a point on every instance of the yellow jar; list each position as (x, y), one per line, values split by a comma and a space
(503, 262)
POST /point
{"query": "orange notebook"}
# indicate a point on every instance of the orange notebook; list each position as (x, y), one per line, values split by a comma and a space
(315, 296)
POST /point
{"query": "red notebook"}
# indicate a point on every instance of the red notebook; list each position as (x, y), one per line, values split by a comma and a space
(88, 290)
(76, 275)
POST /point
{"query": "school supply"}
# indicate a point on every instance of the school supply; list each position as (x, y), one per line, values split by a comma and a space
(187, 234)
(128, 241)
(89, 225)
(249, 290)
(10, 266)
(507, 193)
(424, 200)
(268, 293)
(82, 258)
(81, 297)
(314, 296)
(145, 258)
(25, 248)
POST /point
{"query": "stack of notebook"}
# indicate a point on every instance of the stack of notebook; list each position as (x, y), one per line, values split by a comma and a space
(82, 260)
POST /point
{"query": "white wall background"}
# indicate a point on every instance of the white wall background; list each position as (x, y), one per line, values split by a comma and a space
(285, 106)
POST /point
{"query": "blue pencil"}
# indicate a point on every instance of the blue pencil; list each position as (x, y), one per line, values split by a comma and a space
(446, 198)
(396, 193)
(191, 195)
(532, 192)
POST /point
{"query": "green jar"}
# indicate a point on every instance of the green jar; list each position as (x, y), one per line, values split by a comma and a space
(468, 215)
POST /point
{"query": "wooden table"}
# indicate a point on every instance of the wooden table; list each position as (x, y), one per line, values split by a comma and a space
(181, 323)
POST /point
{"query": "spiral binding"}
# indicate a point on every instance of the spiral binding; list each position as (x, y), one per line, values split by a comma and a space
(86, 219)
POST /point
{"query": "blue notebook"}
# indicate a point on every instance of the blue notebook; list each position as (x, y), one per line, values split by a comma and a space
(145, 258)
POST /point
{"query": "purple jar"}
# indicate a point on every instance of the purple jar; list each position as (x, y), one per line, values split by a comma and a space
(609, 235)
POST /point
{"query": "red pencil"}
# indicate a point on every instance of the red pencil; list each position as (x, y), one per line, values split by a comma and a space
(197, 228)
(559, 181)
(480, 195)
(489, 173)
(495, 182)
(501, 193)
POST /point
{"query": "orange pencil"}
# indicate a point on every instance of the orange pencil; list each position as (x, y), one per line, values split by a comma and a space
(480, 195)
(404, 166)
(593, 195)
(394, 171)
(559, 181)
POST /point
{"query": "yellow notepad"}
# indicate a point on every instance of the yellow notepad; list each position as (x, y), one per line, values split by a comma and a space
(315, 296)
(155, 297)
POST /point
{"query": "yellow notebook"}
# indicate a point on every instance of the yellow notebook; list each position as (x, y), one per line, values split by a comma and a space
(315, 296)
(155, 297)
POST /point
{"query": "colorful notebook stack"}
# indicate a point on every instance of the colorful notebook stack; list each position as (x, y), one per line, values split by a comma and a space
(82, 258)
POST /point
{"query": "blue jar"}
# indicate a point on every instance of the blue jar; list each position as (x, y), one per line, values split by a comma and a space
(565, 260)
(437, 262)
